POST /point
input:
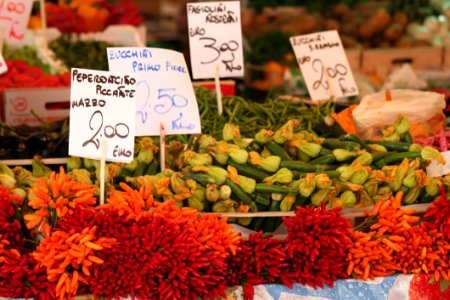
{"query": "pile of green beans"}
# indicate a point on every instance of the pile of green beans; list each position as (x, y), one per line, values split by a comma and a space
(253, 116)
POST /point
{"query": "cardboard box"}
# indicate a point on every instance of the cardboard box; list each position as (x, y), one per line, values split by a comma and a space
(354, 57)
(49, 104)
(380, 62)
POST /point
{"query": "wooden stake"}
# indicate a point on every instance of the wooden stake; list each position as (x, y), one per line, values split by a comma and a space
(218, 91)
(162, 148)
(103, 145)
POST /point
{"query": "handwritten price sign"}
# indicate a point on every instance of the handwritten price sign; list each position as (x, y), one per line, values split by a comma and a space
(14, 15)
(215, 39)
(164, 89)
(102, 107)
(324, 66)
(3, 66)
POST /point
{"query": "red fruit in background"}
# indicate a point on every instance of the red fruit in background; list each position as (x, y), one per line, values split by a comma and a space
(422, 288)
(64, 18)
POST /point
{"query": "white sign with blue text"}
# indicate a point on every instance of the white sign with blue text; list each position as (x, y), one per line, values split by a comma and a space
(102, 108)
(164, 89)
(324, 65)
(215, 39)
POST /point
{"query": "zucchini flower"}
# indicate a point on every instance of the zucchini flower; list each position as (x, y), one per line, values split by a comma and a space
(219, 174)
(364, 159)
(429, 153)
(389, 134)
(283, 176)
(412, 195)
(342, 154)
(384, 190)
(237, 154)
(348, 199)
(346, 172)
(379, 175)
(114, 169)
(19, 192)
(230, 132)
(265, 153)
(39, 169)
(220, 152)
(131, 166)
(433, 187)
(276, 196)
(310, 149)
(147, 149)
(212, 192)
(205, 142)
(246, 183)
(364, 199)
(4, 169)
(220, 207)
(264, 136)
(244, 221)
(381, 197)
(323, 181)
(286, 132)
(193, 159)
(414, 165)
(371, 186)
(410, 180)
(399, 174)
(24, 177)
(73, 162)
(422, 178)
(7, 181)
(179, 187)
(320, 196)
(145, 156)
(287, 202)
(360, 176)
(224, 192)
(446, 180)
(401, 125)
(81, 175)
(415, 147)
(376, 148)
(198, 198)
(307, 185)
(270, 163)
(89, 164)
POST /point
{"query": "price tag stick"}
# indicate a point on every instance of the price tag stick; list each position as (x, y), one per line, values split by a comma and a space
(43, 19)
(102, 171)
(329, 82)
(2, 38)
(162, 146)
(218, 91)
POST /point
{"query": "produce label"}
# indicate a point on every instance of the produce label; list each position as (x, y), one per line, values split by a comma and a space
(14, 15)
(215, 39)
(164, 89)
(324, 66)
(3, 66)
(434, 169)
(102, 107)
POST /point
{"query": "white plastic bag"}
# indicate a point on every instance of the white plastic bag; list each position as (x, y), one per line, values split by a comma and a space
(374, 112)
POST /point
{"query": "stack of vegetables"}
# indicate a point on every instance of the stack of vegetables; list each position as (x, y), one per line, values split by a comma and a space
(77, 16)
(55, 243)
(279, 171)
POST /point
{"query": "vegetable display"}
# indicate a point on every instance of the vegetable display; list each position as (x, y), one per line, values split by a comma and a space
(28, 55)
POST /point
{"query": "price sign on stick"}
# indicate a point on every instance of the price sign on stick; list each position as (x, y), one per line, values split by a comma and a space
(324, 66)
(102, 110)
(164, 89)
(215, 39)
(14, 15)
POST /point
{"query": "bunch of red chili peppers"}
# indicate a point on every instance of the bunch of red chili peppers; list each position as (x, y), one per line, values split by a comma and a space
(135, 246)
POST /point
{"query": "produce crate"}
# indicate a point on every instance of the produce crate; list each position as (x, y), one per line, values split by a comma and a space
(380, 62)
(50, 104)
(354, 57)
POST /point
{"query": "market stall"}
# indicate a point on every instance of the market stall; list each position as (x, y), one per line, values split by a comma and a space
(322, 173)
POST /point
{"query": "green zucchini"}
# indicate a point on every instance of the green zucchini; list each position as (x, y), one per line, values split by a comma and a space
(397, 157)
(379, 155)
(325, 151)
(332, 143)
(153, 168)
(264, 200)
(353, 138)
(407, 137)
(330, 173)
(249, 171)
(270, 188)
(303, 166)
(198, 177)
(276, 149)
(241, 195)
(324, 159)
(393, 146)
(140, 169)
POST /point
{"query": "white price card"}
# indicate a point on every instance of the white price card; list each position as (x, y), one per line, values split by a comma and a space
(324, 66)
(215, 39)
(3, 66)
(435, 169)
(165, 94)
(102, 108)
(14, 16)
